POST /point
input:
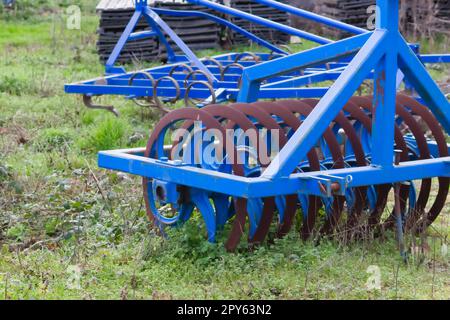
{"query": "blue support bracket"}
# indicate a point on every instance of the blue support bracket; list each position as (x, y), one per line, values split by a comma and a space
(331, 185)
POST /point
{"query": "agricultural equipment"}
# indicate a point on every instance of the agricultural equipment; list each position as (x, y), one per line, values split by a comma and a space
(256, 166)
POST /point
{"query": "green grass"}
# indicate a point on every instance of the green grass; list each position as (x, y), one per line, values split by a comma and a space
(149, 268)
(62, 217)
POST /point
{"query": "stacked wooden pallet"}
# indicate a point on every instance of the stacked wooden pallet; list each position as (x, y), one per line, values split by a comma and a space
(261, 31)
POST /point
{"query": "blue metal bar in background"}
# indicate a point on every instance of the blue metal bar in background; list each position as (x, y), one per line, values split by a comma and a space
(140, 4)
(249, 35)
(256, 19)
(313, 16)
(322, 54)
(435, 58)
(123, 39)
(142, 35)
(196, 93)
(419, 77)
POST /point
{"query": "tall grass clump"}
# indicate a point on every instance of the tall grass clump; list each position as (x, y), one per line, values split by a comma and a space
(107, 134)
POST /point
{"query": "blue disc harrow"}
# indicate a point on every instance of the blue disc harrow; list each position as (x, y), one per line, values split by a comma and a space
(260, 147)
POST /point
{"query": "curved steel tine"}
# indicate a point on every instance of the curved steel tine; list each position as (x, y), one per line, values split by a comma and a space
(87, 100)
(188, 100)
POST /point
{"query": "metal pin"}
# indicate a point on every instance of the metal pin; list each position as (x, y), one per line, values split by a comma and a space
(398, 213)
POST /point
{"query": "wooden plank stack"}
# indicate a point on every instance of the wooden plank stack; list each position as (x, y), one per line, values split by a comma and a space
(263, 11)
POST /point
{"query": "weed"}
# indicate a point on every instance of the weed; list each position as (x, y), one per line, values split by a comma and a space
(17, 232)
(53, 139)
(13, 85)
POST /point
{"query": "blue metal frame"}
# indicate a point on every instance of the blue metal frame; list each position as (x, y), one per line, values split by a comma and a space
(290, 85)
(378, 54)
(276, 87)
(132, 161)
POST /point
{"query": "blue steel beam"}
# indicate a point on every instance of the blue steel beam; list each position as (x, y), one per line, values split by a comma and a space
(137, 91)
(252, 76)
(424, 84)
(310, 76)
(132, 161)
(385, 86)
(306, 137)
(435, 58)
(383, 120)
